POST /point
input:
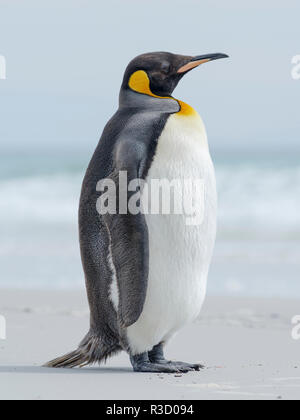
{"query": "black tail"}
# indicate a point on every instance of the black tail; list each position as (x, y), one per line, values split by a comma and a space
(91, 350)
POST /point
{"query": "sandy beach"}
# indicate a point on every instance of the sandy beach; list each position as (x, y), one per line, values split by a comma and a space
(245, 344)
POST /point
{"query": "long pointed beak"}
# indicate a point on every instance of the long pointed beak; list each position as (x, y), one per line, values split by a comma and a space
(200, 59)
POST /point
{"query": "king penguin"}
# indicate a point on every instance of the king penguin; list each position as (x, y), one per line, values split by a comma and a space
(146, 274)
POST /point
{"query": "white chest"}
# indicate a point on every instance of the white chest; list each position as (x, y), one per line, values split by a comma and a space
(180, 254)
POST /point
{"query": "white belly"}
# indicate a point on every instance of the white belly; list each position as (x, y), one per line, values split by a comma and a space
(180, 254)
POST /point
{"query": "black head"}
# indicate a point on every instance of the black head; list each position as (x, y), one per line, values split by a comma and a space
(162, 70)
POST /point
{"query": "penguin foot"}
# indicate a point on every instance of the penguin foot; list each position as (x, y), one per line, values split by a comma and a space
(156, 355)
(158, 368)
(182, 366)
(188, 366)
(141, 363)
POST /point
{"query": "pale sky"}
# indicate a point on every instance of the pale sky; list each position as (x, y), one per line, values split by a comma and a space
(66, 58)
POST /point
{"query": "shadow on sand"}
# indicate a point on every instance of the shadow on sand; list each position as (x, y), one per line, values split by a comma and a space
(77, 371)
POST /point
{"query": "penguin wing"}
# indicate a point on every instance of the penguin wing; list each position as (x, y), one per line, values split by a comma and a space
(129, 235)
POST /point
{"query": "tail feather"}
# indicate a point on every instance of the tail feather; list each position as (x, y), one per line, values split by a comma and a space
(90, 351)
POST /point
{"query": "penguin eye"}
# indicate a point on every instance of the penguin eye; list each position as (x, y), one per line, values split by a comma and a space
(165, 68)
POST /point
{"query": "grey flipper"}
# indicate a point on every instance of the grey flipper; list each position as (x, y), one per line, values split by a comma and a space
(128, 235)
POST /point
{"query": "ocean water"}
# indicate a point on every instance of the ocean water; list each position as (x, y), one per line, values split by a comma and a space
(258, 245)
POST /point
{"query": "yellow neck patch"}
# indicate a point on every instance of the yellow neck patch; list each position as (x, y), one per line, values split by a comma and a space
(139, 82)
(186, 109)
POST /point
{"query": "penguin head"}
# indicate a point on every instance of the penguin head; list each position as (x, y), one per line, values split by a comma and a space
(157, 74)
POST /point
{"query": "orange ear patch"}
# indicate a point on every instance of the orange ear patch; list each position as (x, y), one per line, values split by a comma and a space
(139, 82)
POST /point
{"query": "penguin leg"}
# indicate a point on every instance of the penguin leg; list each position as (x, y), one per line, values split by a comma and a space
(141, 363)
(156, 356)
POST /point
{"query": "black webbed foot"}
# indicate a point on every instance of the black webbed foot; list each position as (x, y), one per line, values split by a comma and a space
(141, 363)
(156, 355)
